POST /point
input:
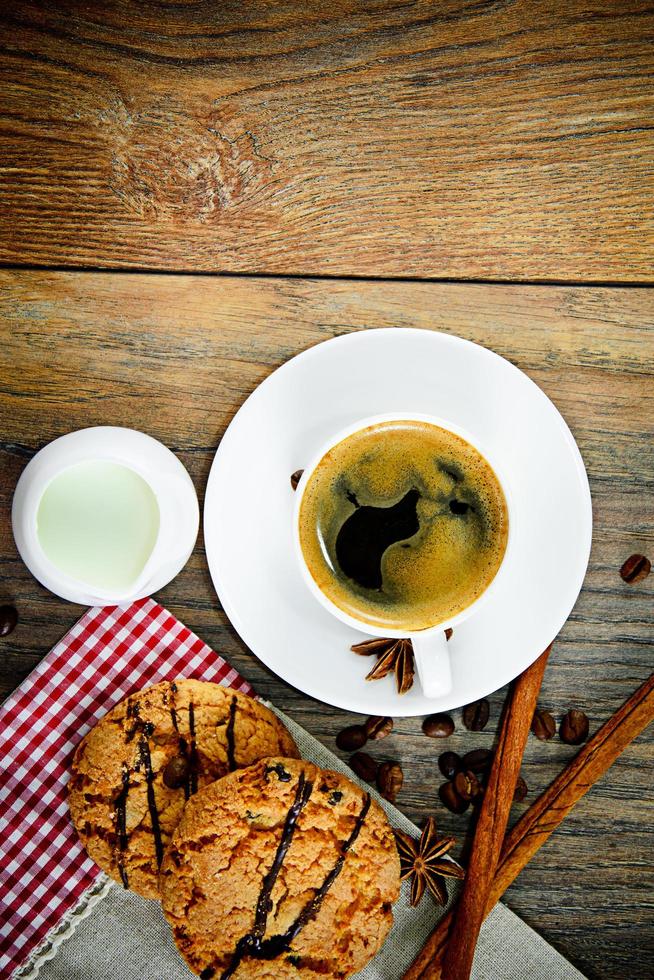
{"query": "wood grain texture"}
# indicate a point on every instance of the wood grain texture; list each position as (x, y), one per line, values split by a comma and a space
(508, 139)
(176, 355)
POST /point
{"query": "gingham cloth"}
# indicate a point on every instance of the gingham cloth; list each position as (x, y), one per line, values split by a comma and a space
(108, 654)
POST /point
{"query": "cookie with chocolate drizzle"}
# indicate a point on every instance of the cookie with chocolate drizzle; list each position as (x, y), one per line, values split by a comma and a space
(280, 870)
(133, 772)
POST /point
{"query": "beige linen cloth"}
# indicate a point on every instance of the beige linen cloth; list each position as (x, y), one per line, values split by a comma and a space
(116, 935)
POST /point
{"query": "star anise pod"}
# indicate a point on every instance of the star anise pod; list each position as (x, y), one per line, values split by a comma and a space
(393, 656)
(423, 862)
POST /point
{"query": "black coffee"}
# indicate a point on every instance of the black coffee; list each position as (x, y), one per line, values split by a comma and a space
(403, 525)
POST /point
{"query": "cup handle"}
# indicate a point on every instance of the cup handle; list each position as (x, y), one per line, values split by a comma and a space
(432, 660)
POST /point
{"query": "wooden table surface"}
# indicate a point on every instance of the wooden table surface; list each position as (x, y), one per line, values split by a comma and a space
(176, 355)
(340, 159)
(507, 139)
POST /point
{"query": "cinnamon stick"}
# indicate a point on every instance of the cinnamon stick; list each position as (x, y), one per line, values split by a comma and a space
(493, 818)
(548, 811)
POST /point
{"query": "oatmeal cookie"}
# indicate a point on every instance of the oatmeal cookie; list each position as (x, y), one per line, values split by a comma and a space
(280, 870)
(133, 772)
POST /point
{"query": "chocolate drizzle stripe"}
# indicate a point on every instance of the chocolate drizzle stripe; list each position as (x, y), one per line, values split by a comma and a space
(173, 706)
(146, 728)
(254, 945)
(121, 826)
(192, 781)
(272, 947)
(133, 712)
(264, 903)
(191, 776)
(230, 735)
(145, 760)
(250, 943)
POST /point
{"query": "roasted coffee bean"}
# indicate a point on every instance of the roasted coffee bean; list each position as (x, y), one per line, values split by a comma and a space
(521, 790)
(451, 799)
(389, 780)
(378, 727)
(483, 777)
(478, 761)
(448, 633)
(295, 478)
(8, 620)
(364, 766)
(351, 738)
(475, 715)
(574, 727)
(438, 726)
(449, 764)
(466, 785)
(176, 772)
(635, 569)
(479, 798)
(543, 725)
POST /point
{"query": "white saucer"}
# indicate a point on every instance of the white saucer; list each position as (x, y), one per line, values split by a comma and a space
(249, 504)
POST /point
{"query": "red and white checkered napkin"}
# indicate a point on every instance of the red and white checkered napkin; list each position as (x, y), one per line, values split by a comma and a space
(107, 654)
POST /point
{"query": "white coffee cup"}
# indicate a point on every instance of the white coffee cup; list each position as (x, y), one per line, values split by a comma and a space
(430, 646)
(167, 478)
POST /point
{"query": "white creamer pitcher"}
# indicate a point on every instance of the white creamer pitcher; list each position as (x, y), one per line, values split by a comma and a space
(105, 515)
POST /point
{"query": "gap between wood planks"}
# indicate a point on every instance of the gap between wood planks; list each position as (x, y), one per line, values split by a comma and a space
(218, 274)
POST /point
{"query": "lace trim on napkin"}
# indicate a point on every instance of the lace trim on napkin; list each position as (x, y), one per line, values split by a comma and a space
(48, 950)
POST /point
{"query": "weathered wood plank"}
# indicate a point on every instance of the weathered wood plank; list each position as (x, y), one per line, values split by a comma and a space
(179, 353)
(503, 140)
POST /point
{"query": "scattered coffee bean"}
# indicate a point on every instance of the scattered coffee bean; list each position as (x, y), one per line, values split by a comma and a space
(478, 761)
(378, 727)
(8, 620)
(479, 798)
(483, 777)
(438, 726)
(451, 799)
(448, 633)
(543, 725)
(389, 780)
(351, 738)
(449, 764)
(574, 727)
(475, 715)
(176, 772)
(364, 766)
(635, 569)
(295, 478)
(466, 785)
(521, 790)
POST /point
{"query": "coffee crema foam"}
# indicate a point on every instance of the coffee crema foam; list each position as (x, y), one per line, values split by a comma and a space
(403, 525)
